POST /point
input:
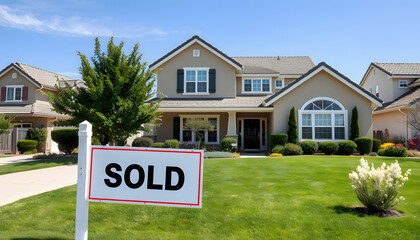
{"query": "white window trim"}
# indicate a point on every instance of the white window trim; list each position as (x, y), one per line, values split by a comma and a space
(282, 83)
(14, 124)
(399, 83)
(332, 112)
(196, 52)
(260, 78)
(14, 93)
(196, 85)
(206, 117)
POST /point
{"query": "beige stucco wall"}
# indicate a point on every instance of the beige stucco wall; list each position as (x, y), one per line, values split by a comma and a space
(377, 77)
(394, 121)
(323, 85)
(7, 79)
(397, 91)
(225, 73)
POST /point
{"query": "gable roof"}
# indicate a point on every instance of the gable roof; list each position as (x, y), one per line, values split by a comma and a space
(323, 66)
(394, 69)
(37, 76)
(189, 42)
(404, 100)
(281, 65)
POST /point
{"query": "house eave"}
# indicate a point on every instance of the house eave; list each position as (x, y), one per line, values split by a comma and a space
(218, 109)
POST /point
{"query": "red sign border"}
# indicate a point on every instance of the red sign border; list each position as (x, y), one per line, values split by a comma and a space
(144, 150)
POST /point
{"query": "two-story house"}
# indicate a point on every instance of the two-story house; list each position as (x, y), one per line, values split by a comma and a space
(397, 84)
(21, 97)
(249, 98)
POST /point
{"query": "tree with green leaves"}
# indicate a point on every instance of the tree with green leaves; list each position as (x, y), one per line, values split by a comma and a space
(114, 97)
(199, 127)
(5, 123)
(292, 133)
(354, 125)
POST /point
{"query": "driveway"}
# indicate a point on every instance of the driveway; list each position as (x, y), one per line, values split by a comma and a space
(17, 159)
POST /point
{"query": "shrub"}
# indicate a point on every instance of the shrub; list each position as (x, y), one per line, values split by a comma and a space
(227, 144)
(158, 145)
(328, 147)
(381, 152)
(386, 145)
(293, 149)
(354, 125)
(398, 139)
(142, 142)
(346, 147)
(373, 154)
(218, 155)
(413, 153)
(26, 145)
(95, 141)
(67, 139)
(211, 148)
(276, 155)
(278, 139)
(396, 151)
(33, 151)
(309, 147)
(292, 133)
(279, 149)
(378, 188)
(414, 142)
(172, 143)
(187, 146)
(364, 145)
(38, 134)
(376, 145)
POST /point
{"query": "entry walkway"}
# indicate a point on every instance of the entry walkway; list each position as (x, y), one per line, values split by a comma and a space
(253, 155)
(16, 186)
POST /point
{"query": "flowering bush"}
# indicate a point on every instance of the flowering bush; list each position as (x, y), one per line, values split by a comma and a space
(386, 145)
(236, 154)
(276, 155)
(377, 188)
(396, 151)
(413, 143)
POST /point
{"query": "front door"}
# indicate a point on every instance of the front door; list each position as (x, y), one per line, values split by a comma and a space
(251, 134)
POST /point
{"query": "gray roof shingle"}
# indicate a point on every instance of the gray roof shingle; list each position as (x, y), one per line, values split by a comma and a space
(281, 65)
(37, 108)
(41, 76)
(238, 102)
(404, 100)
(399, 68)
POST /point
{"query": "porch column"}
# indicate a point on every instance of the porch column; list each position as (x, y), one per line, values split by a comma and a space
(231, 130)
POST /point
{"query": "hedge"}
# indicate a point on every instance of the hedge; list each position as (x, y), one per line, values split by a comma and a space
(309, 147)
(27, 145)
(293, 149)
(346, 147)
(172, 143)
(364, 145)
(278, 139)
(376, 145)
(227, 144)
(38, 134)
(67, 139)
(279, 149)
(158, 145)
(328, 147)
(142, 142)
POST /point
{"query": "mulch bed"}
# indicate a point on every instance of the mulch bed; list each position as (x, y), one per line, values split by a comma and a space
(387, 213)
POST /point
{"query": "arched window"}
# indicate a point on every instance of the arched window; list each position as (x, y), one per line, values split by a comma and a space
(323, 119)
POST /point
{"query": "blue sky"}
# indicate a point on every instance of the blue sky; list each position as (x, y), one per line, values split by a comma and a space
(348, 35)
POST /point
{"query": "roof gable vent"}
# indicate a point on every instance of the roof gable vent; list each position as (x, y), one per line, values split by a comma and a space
(14, 75)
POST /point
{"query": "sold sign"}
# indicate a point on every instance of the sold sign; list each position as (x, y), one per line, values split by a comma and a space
(146, 176)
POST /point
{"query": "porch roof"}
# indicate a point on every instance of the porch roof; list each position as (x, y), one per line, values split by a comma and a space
(34, 109)
(234, 102)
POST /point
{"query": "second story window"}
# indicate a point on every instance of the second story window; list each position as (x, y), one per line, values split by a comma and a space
(279, 84)
(14, 93)
(403, 84)
(196, 80)
(256, 85)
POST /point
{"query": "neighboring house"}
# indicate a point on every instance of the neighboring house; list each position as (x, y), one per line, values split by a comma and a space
(397, 84)
(21, 98)
(249, 98)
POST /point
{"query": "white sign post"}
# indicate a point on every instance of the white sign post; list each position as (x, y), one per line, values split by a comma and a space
(147, 176)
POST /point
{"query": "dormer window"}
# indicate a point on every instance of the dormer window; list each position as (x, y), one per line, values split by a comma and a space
(256, 85)
(196, 53)
(403, 84)
(14, 93)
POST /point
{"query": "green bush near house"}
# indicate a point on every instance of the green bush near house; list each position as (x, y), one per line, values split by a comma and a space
(279, 149)
(292, 133)
(354, 125)
(67, 139)
(364, 145)
(227, 144)
(376, 145)
(309, 147)
(38, 134)
(395, 151)
(142, 142)
(278, 139)
(293, 149)
(33, 151)
(172, 143)
(27, 146)
(158, 145)
(328, 147)
(346, 147)
(95, 141)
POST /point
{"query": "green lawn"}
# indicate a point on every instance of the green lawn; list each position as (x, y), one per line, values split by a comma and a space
(266, 198)
(38, 164)
(3, 156)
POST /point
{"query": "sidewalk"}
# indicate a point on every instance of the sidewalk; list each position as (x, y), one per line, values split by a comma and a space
(16, 186)
(17, 159)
